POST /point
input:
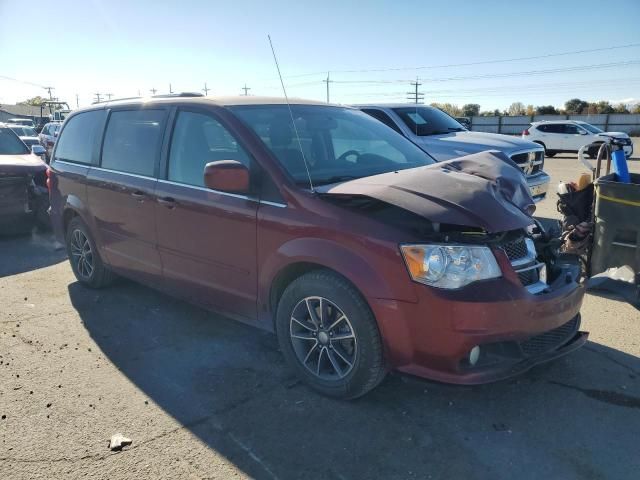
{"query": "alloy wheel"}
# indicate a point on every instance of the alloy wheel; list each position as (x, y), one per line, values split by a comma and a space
(81, 253)
(323, 338)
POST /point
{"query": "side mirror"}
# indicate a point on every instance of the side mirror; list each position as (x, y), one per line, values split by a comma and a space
(37, 150)
(583, 132)
(227, 176)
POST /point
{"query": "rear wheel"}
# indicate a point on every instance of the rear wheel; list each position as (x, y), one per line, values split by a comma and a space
(550, 153)
(329, 335)
(593, 151)
(85, 260)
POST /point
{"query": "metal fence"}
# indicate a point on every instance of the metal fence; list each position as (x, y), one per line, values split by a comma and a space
(609, 122)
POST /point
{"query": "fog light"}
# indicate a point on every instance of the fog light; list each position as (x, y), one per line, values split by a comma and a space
(543, 274)
(474, 355)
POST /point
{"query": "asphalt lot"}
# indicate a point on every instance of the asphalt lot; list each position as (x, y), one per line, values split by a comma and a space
(205, 397)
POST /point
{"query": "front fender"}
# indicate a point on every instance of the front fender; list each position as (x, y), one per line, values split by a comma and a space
(379, 275)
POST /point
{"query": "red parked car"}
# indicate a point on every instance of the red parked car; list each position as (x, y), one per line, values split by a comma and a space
(319, 223)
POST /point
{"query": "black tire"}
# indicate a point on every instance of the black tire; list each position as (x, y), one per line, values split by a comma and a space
(367, 369)
(593, 151)
(99, 276)
(549, 153)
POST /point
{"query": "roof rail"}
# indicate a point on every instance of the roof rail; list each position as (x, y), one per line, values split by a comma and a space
(181, 94)
(164, 95)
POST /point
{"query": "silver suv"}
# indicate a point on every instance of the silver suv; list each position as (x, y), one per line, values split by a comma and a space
(442, 137)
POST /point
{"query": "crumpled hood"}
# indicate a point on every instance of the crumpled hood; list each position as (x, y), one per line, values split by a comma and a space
(465, 143)
(11, 165)
(485, 190)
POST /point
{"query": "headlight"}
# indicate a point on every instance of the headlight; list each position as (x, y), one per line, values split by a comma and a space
(449, 266)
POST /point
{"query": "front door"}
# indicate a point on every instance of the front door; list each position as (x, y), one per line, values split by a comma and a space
(121, 192)
(206, 238)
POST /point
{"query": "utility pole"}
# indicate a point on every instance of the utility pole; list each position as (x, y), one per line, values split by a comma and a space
(170, 91)
(246, 89)
(205, 89)
(49, 90)
(109, 95)
(153, 91)
(328, 81)
(77, 101)
(139, 93)
(416, 96)
(98, 96)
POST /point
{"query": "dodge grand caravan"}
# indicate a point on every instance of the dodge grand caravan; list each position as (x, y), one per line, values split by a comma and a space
(319, 223)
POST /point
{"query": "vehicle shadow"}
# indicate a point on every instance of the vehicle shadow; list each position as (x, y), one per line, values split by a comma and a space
(227, 383)
(23, 253)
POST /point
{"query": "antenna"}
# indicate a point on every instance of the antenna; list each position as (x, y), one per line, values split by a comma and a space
(295, 129)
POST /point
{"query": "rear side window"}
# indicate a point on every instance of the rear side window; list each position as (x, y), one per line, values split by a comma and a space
(197, 140)
(132, 141)
(78, 138)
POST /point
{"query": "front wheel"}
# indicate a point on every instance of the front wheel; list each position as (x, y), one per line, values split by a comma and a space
(329, 335)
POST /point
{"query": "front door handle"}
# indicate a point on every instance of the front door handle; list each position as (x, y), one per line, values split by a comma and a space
(168, 202)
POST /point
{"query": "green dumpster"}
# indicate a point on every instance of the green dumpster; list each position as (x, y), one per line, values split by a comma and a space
(616, 239)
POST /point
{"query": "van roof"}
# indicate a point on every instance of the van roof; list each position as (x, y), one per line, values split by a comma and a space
(220, 101)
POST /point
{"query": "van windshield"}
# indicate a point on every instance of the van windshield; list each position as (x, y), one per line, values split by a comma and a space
(338, 143)
(10, 144)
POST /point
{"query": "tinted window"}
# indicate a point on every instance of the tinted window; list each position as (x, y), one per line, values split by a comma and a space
(383, 117)
(78, 137)
(336, 143)
(132, 141)
(591, 128)
(424, 121)
(543, 128)
(10, 144)
(197, 140)
(554, 128)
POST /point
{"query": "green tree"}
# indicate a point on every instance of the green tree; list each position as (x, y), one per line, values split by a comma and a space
(575, 105)
(35, 101)
(604, 107)
(470, 110)
(636, 108)
(546, 110)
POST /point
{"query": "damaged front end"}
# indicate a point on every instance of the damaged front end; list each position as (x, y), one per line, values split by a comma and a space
(498, 313)
(24, 199)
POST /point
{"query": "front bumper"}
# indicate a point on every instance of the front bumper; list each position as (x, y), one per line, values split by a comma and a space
(538, 186)
(515, 329)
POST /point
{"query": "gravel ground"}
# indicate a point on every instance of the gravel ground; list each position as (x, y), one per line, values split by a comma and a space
(205, 397)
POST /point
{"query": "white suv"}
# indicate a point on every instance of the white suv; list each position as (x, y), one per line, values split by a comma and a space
(559, 136)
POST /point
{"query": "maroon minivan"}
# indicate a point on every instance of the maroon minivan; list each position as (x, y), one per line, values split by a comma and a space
(324, 225)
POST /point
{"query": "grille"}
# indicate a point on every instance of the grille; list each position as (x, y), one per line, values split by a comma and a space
(522, 159)
(549, 340)
(515, 249)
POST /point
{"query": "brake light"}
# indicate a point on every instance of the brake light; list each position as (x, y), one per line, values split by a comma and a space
(49, 174)
(525, 131)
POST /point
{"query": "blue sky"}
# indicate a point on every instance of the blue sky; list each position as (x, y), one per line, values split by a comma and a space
(122, 47)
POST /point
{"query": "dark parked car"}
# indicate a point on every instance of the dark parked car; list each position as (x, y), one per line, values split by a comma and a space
(23, 193)
(323, 225)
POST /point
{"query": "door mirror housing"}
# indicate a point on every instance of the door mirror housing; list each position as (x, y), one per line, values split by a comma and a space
(583, 132)
(37, 150)
(227, 176)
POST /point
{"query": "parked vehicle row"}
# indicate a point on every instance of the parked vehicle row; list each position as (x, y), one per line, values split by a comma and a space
(443, 137)
(568, 136)
(320, 223)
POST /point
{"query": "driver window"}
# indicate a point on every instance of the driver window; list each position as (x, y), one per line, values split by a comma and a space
(197, 140)
(570, 129)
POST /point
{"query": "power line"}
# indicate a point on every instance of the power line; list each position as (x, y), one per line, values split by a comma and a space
(468, 64)
(503, 75)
